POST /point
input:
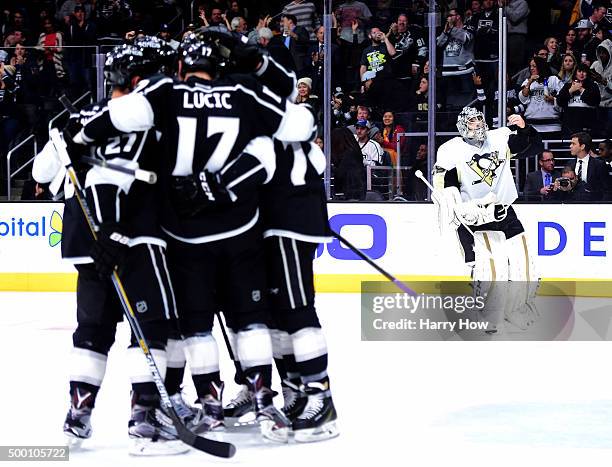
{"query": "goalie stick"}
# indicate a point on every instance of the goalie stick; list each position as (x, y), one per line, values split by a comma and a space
(215, 448)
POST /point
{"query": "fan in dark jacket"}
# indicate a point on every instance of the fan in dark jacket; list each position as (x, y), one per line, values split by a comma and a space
(349, 171)
(579, 100)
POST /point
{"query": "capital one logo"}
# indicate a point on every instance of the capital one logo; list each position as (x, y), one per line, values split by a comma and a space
(19, 227)
(338, 250)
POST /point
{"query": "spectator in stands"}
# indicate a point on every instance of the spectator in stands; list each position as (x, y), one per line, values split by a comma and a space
(420, 101)
(65, 13)
(371, 150)
(554, 56)
(18, 23)
(486, 30)
(590, 49)
(377, 56)
(539, 184)
(27, 83)
(598, 14)
(570, 45)
(525, 73)
(80, 35)
(538, 94)
(238, 24)
(9, 122)
(568, 187)
(304, 87)
(389, 135)
(217, 18)
(579, 100)
(568, 65)
(605, 150)
(348, 169)
(363, 114)
(13, 38)
(112, 16)
(53, 72)
(411, 51)
(236, 10)
(517, 12)
(33, 191)
(348, 13)
(164, 33)
(602, 69)
(414, 186)
(317, 59)
(305, 14)
(590, 170)
(457, 48)
(295, 39)
(583, 29)
(319, 142)
(475, 7)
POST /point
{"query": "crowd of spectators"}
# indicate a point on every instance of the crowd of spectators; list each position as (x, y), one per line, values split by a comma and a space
(559, 66)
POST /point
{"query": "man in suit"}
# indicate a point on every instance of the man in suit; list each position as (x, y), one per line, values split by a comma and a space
(590, 170)
(538, 184)
(296, 39)
(317, 57)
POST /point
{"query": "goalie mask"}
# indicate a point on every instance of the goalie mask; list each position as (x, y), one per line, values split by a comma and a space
(472, 126)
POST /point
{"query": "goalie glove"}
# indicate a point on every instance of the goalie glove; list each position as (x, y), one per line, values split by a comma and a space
(110, 249)
(445, 201)
(193, 193)
(481, 211)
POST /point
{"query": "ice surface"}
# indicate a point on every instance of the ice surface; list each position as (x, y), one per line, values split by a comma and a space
(399, 403)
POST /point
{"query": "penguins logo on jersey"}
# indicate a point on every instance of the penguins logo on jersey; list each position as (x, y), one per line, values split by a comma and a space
(485, 166)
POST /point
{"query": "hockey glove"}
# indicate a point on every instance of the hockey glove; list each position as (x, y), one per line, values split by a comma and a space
(72, 128)
(109, 251)
(193, 193)
(245, 58)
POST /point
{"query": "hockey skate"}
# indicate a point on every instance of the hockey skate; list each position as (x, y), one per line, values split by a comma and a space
(185, 412)
(294, 400)
(318, 420)
(241, 409)
(273, 423)
(77, 426)
(210, 417)
(152, 432)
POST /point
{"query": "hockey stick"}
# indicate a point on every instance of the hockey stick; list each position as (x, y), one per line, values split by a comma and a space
(403, 287)
(216, 448)
(139, 174)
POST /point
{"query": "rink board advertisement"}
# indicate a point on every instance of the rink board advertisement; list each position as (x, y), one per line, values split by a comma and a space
(568, 242)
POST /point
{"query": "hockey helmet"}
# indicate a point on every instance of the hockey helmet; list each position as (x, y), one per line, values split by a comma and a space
(160, 56)
(472, 126)
(203, 50)
(121, 64)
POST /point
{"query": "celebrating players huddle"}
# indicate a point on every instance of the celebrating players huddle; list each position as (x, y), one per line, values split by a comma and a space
(230, 227)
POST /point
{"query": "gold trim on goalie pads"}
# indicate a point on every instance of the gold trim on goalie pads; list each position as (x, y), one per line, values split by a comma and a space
(491, 273)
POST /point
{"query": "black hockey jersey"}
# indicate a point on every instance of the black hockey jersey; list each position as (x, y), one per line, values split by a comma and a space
(485, 27)
(114, 197)
(204, 125)
(293, 202)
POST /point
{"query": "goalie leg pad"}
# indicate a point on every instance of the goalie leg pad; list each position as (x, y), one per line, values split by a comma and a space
(490, 273)
(521, 309)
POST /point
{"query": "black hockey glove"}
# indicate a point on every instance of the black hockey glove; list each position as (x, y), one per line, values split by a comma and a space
(193, 193)
(72, 128)
(245, 58)
(109, 251)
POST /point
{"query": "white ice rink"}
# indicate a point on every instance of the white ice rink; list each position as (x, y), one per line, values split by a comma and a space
(399, 403)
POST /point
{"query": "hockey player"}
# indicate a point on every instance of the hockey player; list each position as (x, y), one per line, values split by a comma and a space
(131, 240)
(474, 182)
(295, 221)
(206, 121)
